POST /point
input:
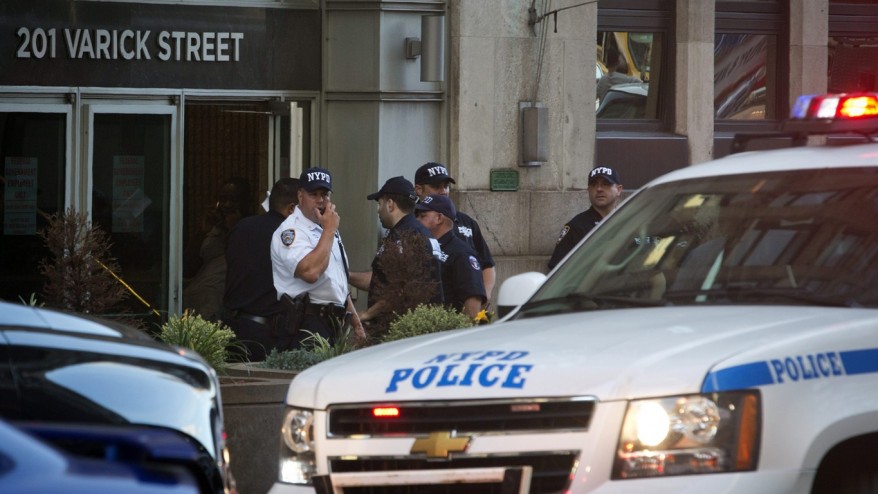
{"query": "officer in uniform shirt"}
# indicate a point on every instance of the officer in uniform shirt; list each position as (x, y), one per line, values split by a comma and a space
(433, 179)
(308, 258)
(604, 191)
(252, 309)
(461, 272)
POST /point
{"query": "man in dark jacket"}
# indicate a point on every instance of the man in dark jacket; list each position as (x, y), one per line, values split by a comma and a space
(604, 191)
(253, 310)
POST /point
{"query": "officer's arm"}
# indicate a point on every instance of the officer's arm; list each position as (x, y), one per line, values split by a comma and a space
(315, 262)
(489, 278)
(360, 279)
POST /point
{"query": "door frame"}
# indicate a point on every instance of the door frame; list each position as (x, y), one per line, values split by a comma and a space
(173, 108)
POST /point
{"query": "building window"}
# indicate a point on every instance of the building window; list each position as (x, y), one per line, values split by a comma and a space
(853, 47)
(748, 81)
(633, 71)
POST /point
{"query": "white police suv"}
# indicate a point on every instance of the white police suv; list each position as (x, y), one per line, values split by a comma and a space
(717, 334)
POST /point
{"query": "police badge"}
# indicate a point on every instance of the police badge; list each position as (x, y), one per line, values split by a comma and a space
(287, 237)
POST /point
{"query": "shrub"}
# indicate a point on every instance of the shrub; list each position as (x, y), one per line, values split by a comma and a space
(211, 340)
(315, 349)
(426, 319)
(79, 271)
(290, 360)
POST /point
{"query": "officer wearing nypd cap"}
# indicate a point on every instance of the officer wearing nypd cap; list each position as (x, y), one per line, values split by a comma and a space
(433, 178)
(604, 191)
(307, 257)
(461, 272)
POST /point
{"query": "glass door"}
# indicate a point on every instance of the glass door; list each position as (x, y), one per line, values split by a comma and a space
(131, 156)
(34, 170)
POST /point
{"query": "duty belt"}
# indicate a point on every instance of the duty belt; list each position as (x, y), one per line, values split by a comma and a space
(239, 314)
(323, 310)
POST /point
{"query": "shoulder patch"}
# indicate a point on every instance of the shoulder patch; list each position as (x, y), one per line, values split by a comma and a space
(288, 236)
(475, 263)
(563, 233)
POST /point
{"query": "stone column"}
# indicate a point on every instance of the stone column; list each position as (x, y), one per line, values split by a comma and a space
(809, 49)
(693, 88)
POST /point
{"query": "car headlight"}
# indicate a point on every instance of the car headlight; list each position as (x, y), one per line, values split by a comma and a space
(687, 435)
(297, 464)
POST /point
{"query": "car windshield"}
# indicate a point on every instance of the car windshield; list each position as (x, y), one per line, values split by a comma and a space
(808, 237)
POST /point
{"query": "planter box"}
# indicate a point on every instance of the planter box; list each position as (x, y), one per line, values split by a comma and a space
(253, 406)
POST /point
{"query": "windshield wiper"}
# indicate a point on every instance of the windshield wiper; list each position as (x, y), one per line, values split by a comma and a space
(740, 294)
(577, 302)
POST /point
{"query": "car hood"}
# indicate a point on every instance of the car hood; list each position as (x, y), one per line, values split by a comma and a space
(608, 354)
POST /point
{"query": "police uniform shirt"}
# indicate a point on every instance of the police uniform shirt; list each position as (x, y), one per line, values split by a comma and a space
(573, 232)
(461, 272)
(468, 230)
(249, 278)
(295, 238)
(409, 223)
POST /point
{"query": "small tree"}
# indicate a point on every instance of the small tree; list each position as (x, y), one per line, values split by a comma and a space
(78, 270)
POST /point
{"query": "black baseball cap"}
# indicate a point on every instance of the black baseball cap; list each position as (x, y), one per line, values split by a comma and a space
(432, 173)
(312, 179)
(607, 173)
(396, 185)
(440, 204)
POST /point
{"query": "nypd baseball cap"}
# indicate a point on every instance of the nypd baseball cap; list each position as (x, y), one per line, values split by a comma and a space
(312, 179)
(396, 185)
(607, 173)
(432, 173)
(440, 204)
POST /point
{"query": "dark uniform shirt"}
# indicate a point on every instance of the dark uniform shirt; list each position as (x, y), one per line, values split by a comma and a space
(573, 232)
(409, 223)
(468, 229)
(249, 281)
(461, 271)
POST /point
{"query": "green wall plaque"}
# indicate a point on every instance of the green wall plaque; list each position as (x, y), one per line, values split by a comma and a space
(504, 179)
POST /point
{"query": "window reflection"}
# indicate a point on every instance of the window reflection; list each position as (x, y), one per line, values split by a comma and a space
(626, 73)
(32, 160)
(744, 76)
(852, 64)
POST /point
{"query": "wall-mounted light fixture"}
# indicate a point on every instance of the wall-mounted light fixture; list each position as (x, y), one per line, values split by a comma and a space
(534, 128)
(430, 47)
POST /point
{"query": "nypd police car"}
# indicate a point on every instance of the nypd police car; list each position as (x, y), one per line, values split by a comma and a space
(717, 333)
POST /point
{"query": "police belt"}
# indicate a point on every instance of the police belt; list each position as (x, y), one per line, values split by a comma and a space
(239, 314)
(324, 310)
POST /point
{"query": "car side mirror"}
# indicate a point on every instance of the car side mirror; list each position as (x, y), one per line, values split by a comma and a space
(517, 290)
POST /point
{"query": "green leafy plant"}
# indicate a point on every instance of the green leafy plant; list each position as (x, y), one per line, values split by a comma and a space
(32, 301)
(315, 349)
(212, 340)
(426, 319)
(290, 360)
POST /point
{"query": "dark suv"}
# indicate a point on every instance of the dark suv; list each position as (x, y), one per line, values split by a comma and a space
(100, 389)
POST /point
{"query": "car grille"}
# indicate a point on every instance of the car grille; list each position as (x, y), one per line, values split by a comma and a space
(488, 416)
(552, 470)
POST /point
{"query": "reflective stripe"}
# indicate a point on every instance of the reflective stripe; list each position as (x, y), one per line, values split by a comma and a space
(797, 367)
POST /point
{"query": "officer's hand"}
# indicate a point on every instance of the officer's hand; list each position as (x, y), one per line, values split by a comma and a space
(329, 218)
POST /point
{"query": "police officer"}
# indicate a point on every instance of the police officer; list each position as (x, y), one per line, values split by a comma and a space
(396, 204)
(309, 263)
(461, 272)
(604, 191)
(252, 309)
(433, 179)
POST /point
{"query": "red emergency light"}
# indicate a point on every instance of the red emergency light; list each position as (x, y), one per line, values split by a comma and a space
(385, 412)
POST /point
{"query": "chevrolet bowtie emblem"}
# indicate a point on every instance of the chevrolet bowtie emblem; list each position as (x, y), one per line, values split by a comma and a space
(440, 445)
